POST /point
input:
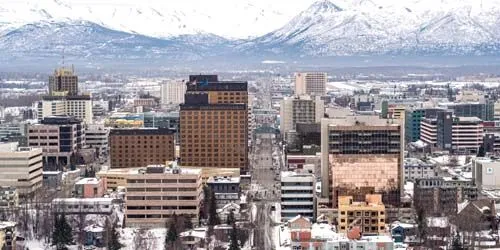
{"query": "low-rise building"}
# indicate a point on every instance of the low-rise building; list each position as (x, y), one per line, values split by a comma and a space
(486, 173)
(21, 167)
(83, 205)
(7, 235)
(226, 189)
(155, 192)
(96, 136)
(368, 215)
(439, 196)
(9, 198)
(416, 168)
(297, 195)
(90, 188)
(52, 179)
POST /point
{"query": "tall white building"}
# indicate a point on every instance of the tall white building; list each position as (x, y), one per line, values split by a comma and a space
(297, 195)
(310, 83)
(21, 167)
(76, 106)
(96, 136)
(172, 92)
(302, 109)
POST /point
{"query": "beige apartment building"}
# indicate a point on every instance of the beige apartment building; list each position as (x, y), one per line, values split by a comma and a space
(310, 83)
(21, 167)
(155, 192)
(368, 215)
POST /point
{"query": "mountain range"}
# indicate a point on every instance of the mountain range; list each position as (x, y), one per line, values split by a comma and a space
(194, 30)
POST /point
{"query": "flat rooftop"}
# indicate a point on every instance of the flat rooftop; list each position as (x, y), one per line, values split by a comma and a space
(141, 131)
(93, 181)
(361, 120)
(223, 179)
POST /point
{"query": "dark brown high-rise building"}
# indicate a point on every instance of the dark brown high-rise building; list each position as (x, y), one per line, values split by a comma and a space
(63, 80)
(141, 147)
(214, 123)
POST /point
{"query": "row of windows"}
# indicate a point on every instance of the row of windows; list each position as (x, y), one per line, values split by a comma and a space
(163, 190)
(159, 198)
(359, 213)
(162, 181)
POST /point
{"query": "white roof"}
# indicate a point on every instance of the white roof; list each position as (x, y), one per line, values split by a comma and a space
(441, 222)
(197, 233)
(83, 181)
(7, 224)
(82, 200)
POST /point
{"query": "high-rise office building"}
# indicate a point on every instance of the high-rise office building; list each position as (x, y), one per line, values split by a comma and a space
(60, 137)
(63, 80)
(370, 147)
(139, 147)
(310, 83)
(449, 132)
(214, 123)
(79, 106)
(172, 92)
(302, 109)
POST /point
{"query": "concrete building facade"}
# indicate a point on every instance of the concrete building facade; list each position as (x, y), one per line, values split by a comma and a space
(59, 137)
(457, 134)
(368, 215)
(96, 136)
(156, 192)
(63, 80)
(140, 147)
(310, 83)
(226, 189)
(297, 195)
(78, 106)
(172, 92)
(302, 109)
(486, 173)
(21, 167)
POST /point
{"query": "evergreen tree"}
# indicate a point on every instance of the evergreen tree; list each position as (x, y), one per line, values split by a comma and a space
(113, 237)
(230, 218)
(171, 240)
(213, 217)
(457, 242)
(481, 152)
(62, 234)
(188, 224)
(233, 238)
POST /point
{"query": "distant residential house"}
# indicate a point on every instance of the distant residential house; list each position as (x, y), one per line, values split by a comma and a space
(226, 210)
(400, 231)
(475, 216)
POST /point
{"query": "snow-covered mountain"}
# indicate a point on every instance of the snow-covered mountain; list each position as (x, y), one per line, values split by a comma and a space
(158, 18)
(381, 27)
(197, 29)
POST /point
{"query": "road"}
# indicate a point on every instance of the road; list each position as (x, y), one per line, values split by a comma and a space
(265, 180)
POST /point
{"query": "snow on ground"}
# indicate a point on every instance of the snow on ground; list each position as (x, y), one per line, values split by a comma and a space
(281, 238)
(445, 159)
(408, 188)
(254, 212)
(276, 214)
(153, 238)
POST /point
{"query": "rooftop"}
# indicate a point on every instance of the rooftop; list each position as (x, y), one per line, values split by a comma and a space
(223, 179)
(295, 174)
(141, 131)
(93, 181)
(11, 147)
(361, 120)
(82, 200)
(224, 106)
(7, 224)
